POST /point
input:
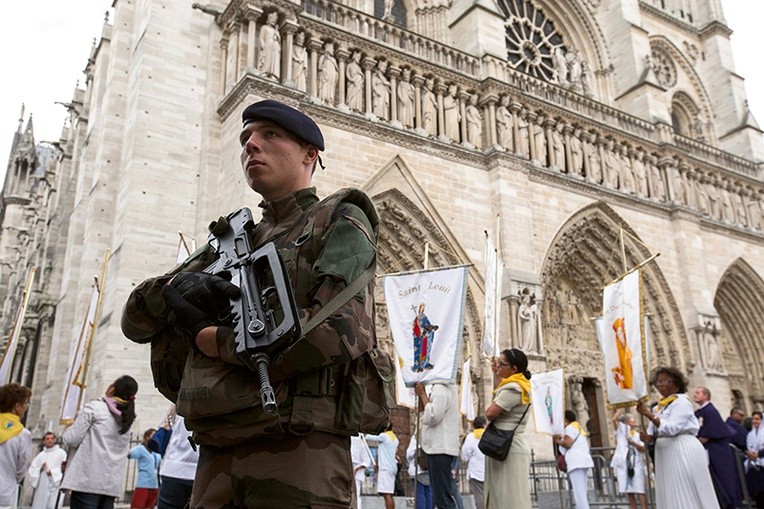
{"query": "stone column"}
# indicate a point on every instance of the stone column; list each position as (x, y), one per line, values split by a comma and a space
(548, 124)
(367, 65)
(464, 98)
(289, 29)
(224, 62)
(489, 124)
(418, 81)
(251, 42)
(515, 108)
(532, 118)
(313, 46)
(393, 73)
(342, 54)
(566, 166)
(439, 89)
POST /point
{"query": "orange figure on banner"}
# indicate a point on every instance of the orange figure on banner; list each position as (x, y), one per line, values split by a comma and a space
(624, 373)
(424, 334)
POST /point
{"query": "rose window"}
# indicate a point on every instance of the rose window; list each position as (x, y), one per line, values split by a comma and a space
(531, 39)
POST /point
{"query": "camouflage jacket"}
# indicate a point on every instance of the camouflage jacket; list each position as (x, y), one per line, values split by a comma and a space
(324, 245)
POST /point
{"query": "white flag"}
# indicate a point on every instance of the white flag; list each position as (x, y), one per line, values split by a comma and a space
(467, 407)
(548, 401)
(494, 269)
(621, 335)
(425, 311)
(18, 321)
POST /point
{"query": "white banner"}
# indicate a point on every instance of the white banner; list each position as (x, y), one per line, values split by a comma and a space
(548, 401)
(404, 396)
(10, 348)
(621, 335)
(467, 407)
(494, 269)
(425, 314)
(78, 358)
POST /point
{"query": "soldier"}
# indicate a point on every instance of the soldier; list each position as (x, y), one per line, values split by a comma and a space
(299, 457)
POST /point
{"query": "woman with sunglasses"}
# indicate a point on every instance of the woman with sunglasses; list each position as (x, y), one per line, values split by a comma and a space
(507, 482)
(682, 478)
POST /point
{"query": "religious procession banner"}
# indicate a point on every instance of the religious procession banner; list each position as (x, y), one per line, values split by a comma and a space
(13, 340)
(494, 269)
(425, 311)
(404, 396)
(621, 335)
(466, 405)
(548, 401)
(79, 357)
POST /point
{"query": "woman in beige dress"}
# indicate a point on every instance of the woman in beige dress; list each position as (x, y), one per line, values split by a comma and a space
(507, 482)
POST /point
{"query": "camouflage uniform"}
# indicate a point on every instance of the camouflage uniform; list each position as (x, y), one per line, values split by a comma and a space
(301, 456)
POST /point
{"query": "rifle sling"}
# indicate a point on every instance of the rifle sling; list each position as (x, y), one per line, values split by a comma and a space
(340, 299)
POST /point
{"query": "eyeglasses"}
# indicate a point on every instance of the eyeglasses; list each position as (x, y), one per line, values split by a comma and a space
(663, 381)
(502, 363)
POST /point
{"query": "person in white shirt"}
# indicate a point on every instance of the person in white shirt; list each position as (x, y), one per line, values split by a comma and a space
(575, 446)
(475, 460)
(45, 473)
(754, 463)
(628, 460)
(359, 454)
(418, 470)
(440, 439)
(387, 465)
(178, 465)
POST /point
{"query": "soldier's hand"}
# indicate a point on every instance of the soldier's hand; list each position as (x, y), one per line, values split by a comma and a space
(211, 294)
(187, 317)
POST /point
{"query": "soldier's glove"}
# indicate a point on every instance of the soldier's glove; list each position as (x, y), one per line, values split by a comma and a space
(209, 293)
(185, 316)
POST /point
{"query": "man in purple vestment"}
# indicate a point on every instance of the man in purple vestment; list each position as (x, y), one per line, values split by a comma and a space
(715, 437)
(735, 423)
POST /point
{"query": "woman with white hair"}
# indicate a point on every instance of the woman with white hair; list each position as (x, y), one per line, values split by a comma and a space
(628, 459)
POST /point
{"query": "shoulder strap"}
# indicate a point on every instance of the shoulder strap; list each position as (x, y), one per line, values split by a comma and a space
(339, 300)
(523, 416)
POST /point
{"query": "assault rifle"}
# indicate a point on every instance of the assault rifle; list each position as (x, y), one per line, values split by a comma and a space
(265, 314)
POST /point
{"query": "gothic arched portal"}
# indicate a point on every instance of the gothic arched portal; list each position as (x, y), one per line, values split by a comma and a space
(739, 301)
(584, 257)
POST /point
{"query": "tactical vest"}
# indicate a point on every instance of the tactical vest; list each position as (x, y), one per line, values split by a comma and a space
(221, 401)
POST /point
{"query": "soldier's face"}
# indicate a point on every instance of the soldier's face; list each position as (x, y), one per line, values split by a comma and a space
(275, 163)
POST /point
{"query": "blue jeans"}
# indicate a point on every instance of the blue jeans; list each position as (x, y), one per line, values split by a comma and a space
(444, 493)
(423, 494)
(174, 493)
(80, 500)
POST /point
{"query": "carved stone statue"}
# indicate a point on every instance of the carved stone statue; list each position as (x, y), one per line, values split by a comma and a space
(701, 199)
(575, 70)
(579, 401)
(640, 174)
(657, 186)
(406, 98)
(595, 167)
(611, 166)
(474, 122)
(626, 176)
(504, 124)
(300, 62)
(680, 191)
(714, 202)
(557, 159)
(523, 136)
(451, 115)
(754, 212)
(327, 75)
(742, 216)
(355, 80)
(586, 80)
(269, 47)
(527, 314)
(539, 141)
(710, 348)
(727, 212)
(576, 153)
(429, 108)
(560, 66)
(380, 91)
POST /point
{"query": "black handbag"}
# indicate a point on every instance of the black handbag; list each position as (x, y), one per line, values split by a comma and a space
(495, 442)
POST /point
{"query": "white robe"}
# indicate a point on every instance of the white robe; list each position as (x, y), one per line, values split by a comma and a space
(46, 483)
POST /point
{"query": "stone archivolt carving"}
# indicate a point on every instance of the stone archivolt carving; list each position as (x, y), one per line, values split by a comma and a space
(664, 68)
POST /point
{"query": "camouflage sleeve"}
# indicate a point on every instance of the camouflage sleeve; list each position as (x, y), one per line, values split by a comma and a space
(145, 312)
(349, 248)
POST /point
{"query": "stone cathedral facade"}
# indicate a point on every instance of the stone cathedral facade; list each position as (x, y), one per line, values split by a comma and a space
(553, 125)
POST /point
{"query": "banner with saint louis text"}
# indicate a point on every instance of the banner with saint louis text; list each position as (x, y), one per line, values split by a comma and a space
(621, 336)
(548, 401)
(425, 310)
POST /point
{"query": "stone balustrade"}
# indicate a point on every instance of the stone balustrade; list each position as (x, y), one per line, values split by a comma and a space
(360, 65)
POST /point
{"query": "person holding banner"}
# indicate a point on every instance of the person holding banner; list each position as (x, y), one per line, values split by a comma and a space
(507, 482)
(682, 477)
(15, 441)
(628, 460)
(95, 470)
(575, 446)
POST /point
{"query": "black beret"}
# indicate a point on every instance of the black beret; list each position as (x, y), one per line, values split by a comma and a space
(286, 117)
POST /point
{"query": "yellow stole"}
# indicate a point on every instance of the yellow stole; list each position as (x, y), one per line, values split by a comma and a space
(391, 435)
(524, 383)
(663, 403)
(576, 425)
(478, 432)
(10, 426)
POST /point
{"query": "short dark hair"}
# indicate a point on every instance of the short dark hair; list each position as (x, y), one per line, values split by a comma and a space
(13, 394)
(737, 410)
(677, 377)
(758, 413)
(570, 416)
(149, 433)
(479, 422)
(48, 433)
